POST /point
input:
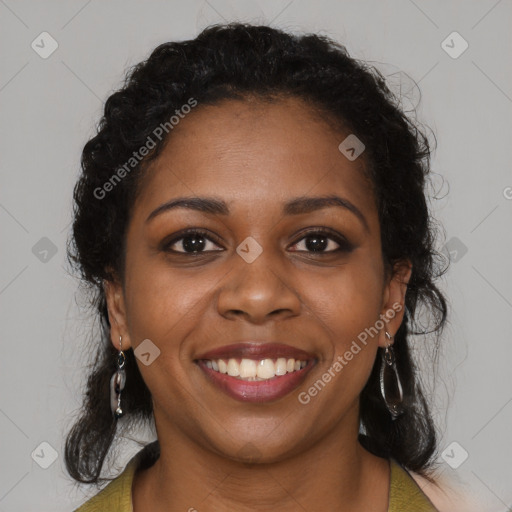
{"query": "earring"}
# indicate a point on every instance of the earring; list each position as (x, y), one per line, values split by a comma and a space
(388, 370)
(117, 382)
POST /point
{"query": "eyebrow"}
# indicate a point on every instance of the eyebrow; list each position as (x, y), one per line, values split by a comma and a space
(296, 206)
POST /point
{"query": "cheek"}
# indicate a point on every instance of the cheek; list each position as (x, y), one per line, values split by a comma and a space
(163, 304)
(164, 307)
(348, 304)
(349, 300)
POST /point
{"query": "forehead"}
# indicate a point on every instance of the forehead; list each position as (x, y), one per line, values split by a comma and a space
(254, 152)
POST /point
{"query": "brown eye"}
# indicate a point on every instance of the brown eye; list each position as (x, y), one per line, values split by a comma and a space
(193, 241)
(322, 242)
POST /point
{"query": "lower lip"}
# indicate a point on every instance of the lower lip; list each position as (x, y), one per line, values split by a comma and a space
(257, 391)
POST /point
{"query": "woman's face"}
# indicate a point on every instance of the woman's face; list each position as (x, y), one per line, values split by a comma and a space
(272, 266)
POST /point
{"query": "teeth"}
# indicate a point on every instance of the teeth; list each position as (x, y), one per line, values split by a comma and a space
(223, 367)
(281, 366)
(266, 369)
(250, 369)
(233, 368)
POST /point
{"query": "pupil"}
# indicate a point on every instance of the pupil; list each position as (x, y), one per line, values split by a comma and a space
(316, 243)
(193, 243)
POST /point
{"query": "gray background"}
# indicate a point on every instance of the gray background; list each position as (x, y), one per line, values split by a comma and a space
(49, 108)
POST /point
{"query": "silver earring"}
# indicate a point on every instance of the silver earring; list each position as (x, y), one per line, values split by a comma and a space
(388, 372)
(117, 382)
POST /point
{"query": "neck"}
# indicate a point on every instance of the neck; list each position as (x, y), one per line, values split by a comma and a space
(334, 473)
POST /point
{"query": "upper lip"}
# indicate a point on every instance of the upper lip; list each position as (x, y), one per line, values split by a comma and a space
(256, 350)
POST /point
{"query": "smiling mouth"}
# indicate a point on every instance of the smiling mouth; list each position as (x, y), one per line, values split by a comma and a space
(256, 380)
(252, 370)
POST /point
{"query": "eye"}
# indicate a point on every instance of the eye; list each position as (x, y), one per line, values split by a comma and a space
(322, 242)
(190, 242)
(197, 241)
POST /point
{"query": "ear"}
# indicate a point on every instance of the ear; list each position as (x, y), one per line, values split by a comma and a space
(393, 300)
(116, 314)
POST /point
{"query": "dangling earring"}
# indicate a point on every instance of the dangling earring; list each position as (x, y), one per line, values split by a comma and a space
(117, 382)
(388, 368)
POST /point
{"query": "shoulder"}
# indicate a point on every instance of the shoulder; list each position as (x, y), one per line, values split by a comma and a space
(405, 493)
(437, 493)
(117, 495)
(448, 495)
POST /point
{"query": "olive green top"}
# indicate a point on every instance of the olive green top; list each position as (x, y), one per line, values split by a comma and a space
(404, 494)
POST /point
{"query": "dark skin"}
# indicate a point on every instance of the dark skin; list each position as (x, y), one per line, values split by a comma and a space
(217, 453)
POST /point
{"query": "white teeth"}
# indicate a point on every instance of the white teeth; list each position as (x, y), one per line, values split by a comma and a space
(266, 369)
(248, 368)
(223, 367)
(251, 369)
(233, 368)
(281, 366)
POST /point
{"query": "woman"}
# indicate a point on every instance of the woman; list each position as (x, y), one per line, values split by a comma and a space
(251, 217)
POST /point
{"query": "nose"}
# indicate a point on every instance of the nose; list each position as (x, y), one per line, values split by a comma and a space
(259, 291)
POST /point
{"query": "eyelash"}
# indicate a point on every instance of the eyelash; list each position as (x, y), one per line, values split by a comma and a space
(344, 245)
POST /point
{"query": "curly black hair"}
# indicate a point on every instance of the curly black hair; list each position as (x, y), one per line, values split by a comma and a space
(239, 61)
